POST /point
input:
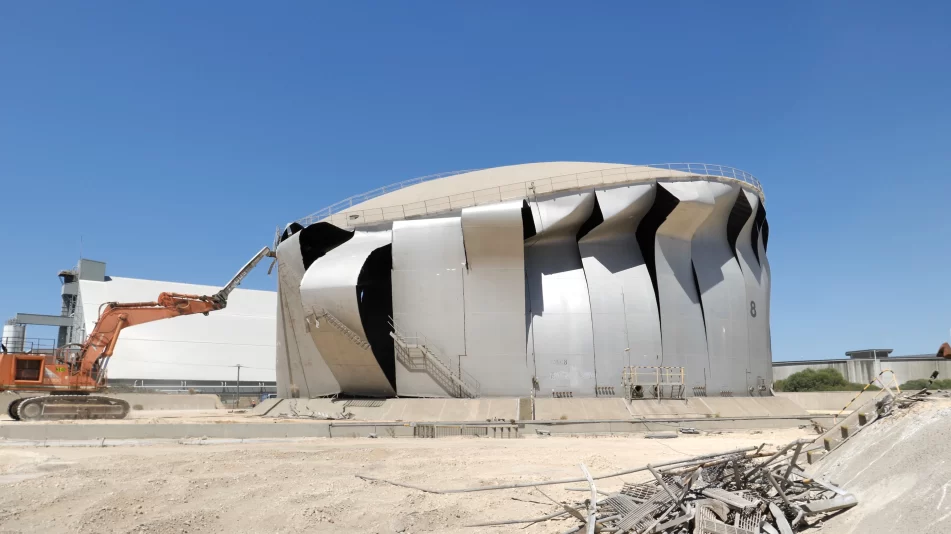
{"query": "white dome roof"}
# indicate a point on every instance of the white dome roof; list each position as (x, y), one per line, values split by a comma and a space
(445, 193)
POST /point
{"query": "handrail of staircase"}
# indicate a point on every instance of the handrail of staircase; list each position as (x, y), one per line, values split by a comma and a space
(877, 378)
(344, 329)
(463, 378)
(472, 390)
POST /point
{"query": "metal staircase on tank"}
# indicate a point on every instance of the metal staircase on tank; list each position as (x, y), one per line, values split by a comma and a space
(338, 324)
(416, 355)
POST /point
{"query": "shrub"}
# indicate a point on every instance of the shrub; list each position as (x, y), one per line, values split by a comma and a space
(136, 406)
(921, 383)
(817, 380)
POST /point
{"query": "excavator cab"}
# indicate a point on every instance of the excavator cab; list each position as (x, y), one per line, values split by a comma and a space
(27, 369)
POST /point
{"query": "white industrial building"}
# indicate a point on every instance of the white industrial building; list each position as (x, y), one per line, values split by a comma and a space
(198, 353)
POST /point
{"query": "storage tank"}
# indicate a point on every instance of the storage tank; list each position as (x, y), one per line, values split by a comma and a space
(13, 336)
(562, 279)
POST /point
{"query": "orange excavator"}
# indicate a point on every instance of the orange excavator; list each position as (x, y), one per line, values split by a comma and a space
(69, 376)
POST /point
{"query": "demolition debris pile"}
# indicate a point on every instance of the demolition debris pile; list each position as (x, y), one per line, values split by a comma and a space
(736, 492)
(744, 491)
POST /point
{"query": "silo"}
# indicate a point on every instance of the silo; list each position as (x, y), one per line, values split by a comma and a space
(13, 336)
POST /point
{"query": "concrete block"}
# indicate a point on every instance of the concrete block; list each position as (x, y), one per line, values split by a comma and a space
(525, 409)
(266, 406)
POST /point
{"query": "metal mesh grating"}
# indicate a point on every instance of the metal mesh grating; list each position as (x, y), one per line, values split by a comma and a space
(710, 526)
(641, 492)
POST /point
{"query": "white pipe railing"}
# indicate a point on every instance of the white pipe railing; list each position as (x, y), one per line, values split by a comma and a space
(342, 216)
(363, 197)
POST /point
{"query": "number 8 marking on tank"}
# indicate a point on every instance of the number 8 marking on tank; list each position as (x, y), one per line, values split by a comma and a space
(752, 308)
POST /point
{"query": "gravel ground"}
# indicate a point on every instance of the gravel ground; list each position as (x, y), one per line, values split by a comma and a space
(310, 486)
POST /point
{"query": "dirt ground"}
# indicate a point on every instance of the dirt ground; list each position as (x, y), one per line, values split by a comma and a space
(310, 486)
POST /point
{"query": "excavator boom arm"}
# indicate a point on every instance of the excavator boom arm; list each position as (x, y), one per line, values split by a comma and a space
(114, 316)
(248, 267)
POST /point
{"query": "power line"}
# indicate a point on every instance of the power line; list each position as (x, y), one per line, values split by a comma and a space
(197, 364)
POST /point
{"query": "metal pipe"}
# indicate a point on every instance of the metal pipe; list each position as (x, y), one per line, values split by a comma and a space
(780, 452)
(792, 462)
(775, 485)
(555, 482)
(561, 422)
(517, 521)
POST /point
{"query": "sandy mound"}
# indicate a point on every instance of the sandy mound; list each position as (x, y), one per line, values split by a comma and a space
(899, 468)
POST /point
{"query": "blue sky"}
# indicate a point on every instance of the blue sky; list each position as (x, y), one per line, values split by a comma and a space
(172, 138)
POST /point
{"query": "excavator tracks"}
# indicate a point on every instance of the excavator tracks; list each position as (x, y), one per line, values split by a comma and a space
(59, 407)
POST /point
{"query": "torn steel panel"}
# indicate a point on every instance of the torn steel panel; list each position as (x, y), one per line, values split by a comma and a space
(723, 295)
(306, 370)
(760, 362)
(782, 524)
(839, 502)
(624, 314)
(560, 339)
(335, 284)
(681, 312)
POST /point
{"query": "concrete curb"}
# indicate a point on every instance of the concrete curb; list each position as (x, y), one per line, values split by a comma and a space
(46, 432)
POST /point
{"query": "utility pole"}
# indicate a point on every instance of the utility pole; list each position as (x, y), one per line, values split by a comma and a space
(237, 388)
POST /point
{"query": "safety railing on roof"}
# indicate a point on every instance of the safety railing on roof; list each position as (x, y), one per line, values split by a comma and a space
(341, 216)
(363, 197)
(29, 344)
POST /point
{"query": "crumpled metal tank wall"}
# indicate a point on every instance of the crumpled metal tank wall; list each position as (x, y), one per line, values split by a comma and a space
(301, 369)
(330, 286)
(723, 295)
(494, 284)
(767, 289)
(429, 260)
(553, 295)
(624, 316)
(681, 314)
(757, 303)
(560, 337)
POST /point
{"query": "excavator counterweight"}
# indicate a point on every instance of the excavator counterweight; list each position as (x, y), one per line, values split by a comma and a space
(69, 376)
